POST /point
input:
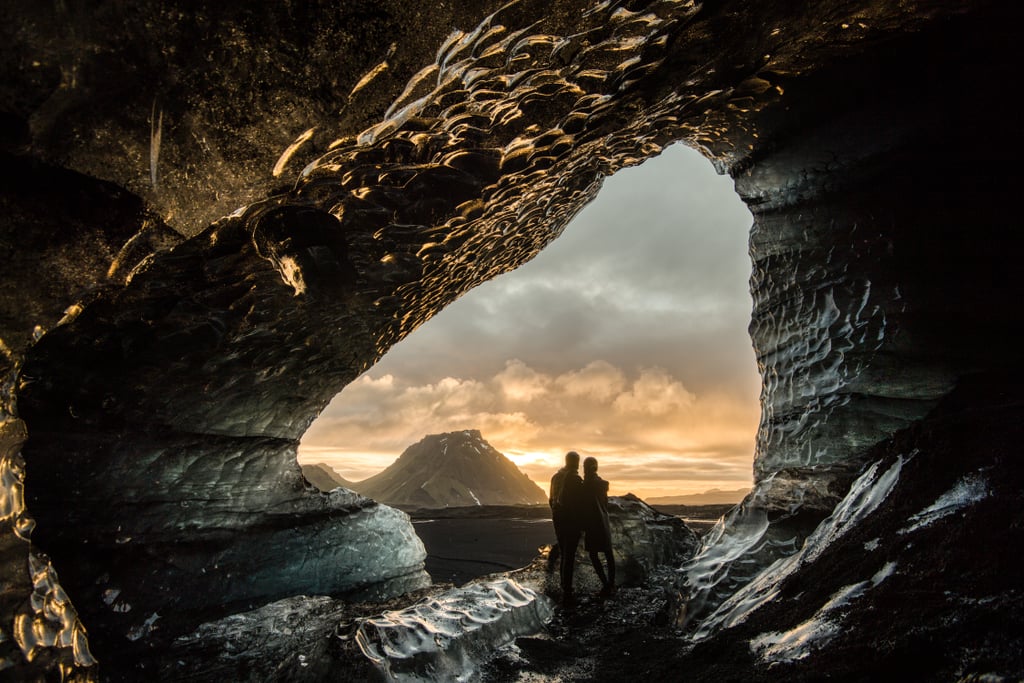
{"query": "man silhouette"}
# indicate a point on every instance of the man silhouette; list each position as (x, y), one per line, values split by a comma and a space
(565, 498)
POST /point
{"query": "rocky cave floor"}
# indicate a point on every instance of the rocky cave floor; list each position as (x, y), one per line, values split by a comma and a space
(599, 640)
(631, 636)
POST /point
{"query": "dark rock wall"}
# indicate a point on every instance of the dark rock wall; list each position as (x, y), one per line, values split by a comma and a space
(878, 223)
(924, 586)
(871, 142)
(882, 269)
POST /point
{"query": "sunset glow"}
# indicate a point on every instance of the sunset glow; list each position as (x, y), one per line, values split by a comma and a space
(625, 340)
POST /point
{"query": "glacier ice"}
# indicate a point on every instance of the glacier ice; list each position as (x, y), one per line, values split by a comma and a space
(504, 133)
(866, 494)
(447, 637)
(969, 490)
(821, 628)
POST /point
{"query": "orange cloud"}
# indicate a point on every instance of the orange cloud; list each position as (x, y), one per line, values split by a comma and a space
(654, 393)
(599, 381)
(652, 435)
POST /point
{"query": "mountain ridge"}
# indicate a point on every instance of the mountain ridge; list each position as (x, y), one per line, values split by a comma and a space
(325, 477)
(453, 469)
(710, 497)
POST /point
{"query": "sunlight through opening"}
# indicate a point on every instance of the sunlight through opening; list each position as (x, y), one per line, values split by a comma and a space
(626, 339)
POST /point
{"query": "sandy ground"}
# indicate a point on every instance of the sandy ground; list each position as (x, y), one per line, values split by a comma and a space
(459, 550)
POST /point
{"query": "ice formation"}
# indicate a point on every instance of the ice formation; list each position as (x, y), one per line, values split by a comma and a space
(821, 628)
(448, 636)
(969, 490)
(866, 494)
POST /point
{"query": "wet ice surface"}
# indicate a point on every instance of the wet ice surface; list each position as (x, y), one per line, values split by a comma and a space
(599, 640)
(969, 490)
(819, 630)
(866, 494)
(444, 633)
(772, 523)
(448, 636)
(444, 636)
(734, 536)
(46, 621)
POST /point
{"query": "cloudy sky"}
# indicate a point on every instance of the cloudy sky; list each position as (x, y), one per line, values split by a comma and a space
(625, 339)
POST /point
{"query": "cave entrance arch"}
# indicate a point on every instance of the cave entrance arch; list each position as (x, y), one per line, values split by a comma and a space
(626, 339)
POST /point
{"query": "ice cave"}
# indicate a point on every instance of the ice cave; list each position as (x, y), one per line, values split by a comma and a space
(215, 215)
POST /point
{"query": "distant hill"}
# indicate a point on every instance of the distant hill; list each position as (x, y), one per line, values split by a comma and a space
(712, 497)
(452, 470)
(324, 477)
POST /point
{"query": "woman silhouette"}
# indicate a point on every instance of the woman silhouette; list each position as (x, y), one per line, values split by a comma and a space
(596, 527)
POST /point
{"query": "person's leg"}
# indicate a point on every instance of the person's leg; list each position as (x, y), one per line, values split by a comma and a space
(568, 549)
(595, 560)
(610, 558)
(554, 557)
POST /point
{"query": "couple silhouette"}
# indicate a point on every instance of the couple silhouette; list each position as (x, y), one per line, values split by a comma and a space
(579, 508)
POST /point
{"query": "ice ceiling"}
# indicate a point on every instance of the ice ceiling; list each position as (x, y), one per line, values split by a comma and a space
(375, 161)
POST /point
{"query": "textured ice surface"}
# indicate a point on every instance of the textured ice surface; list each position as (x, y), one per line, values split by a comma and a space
(46, 624)
(866, 494)
(644, 539)
(740, 533)
(772, 523)
(821, 628)
(969, 490)
(301, 639)
(449, 636)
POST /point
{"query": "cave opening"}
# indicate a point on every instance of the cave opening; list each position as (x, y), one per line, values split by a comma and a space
(624, 339)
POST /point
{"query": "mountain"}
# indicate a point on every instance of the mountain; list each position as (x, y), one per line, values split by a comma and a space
(324, 477)
(452, 470)
(712, 497)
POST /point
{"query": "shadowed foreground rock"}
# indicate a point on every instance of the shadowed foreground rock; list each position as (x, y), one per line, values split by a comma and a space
(439, 633)
(382, 158)
(443, 635)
